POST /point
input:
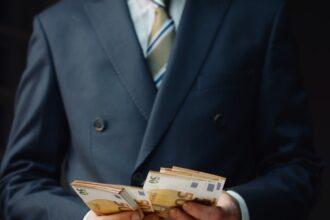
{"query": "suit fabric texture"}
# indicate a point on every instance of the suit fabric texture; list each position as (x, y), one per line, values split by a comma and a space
(231, 103)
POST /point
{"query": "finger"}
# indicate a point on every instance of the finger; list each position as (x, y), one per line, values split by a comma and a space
(177, 214)
(197, 211)
(141, 213)
(203, 212)
(120, 216)
(151, 216)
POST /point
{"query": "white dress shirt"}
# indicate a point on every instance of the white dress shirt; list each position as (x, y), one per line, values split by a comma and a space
(143, 13)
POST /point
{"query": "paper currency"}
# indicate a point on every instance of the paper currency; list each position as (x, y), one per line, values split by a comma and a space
(140, 197)
(105, 199)
(172, 187)
(197, 173)
(163, 190)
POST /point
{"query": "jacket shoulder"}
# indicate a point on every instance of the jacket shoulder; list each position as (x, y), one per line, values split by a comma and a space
(60, 12)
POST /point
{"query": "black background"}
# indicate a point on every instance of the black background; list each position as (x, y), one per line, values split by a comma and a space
(310, 23)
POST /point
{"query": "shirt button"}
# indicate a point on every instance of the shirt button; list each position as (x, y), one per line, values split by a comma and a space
(99, 124)
(219, 120)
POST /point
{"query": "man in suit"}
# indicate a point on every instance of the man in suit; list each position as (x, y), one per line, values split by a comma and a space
(115, 88)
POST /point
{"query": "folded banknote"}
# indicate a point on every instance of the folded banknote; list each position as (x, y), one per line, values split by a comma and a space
(105, 199)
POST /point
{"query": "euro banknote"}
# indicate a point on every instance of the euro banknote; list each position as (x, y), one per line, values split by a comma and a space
(171, 188)
(105, 199)
(163, 190)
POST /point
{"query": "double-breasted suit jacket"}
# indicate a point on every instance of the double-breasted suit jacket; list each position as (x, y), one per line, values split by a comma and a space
(231, 103)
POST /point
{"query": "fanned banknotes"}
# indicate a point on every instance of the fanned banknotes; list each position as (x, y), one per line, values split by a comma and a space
(172, 187)
(163, 190)
(105, 199)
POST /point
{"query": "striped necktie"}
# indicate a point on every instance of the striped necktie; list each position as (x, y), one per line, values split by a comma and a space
(160, 42)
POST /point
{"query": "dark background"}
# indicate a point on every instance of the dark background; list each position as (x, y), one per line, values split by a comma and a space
(310, 23)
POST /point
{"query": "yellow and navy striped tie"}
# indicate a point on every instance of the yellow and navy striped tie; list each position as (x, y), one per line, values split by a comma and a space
(160, 42)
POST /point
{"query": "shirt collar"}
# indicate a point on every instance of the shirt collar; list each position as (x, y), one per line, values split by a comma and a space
(141, 6)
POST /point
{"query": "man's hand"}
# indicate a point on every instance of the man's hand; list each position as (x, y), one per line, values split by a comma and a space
(137, 215)
(228, 210)
(151, 216)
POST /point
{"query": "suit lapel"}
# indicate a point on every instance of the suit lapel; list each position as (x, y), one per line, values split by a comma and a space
(200, 23)
(115, 30)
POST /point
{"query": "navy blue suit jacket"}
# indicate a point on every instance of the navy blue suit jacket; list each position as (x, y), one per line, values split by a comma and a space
(231, 104)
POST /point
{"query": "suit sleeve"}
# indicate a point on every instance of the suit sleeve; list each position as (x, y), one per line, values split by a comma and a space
(288, 171)
(31, 167)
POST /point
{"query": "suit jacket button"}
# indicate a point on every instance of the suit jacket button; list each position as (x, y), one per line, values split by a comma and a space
(99, 124)
(219, 120)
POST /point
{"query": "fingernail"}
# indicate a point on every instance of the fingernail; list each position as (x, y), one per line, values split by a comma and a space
(136, 216)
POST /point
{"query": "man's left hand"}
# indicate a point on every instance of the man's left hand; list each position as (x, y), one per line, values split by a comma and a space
(228, 210)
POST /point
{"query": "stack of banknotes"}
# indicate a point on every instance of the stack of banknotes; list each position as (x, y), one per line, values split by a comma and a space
(162, 191)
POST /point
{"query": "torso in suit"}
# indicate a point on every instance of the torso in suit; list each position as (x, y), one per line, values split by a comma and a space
(231, 104)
